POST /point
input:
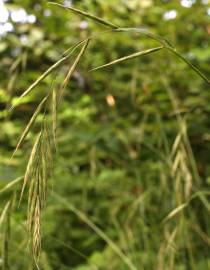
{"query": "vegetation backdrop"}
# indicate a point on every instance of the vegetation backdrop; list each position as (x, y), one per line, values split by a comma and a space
(129, 184)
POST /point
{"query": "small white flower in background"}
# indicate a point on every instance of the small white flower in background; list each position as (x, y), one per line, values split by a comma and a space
(47, 12)
(24, 39)
(83, 25)
(4, 13)
(187, 3)
(31, 18)
(2, 31)
(67, 3)
(170, 15)
(19, 15)
(8, 27)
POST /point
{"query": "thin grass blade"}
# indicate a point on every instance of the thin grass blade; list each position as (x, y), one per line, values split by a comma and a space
(146, 33)
(189, 64)
(88, 15)
(4, 212)
(134, 55)
(98, 231)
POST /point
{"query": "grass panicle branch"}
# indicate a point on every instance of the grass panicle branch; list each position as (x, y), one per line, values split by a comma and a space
(143, 31)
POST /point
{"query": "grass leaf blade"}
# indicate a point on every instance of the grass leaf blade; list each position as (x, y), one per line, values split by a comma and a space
(88, 15)
(189, 64)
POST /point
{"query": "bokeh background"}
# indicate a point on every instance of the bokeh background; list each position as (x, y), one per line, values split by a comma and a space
(133, 139)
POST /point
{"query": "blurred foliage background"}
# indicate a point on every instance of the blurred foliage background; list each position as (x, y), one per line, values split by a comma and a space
(133, 139)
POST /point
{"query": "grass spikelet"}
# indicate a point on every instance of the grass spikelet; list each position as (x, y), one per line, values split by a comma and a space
(134, 55)
(30, 168)
(42, 77)
(88, 15)
(11, 184)
(176, 143)
(36, 233)
(29, 125)
(72, 69)
(4, 212)
(175, 212)
(54, 115)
